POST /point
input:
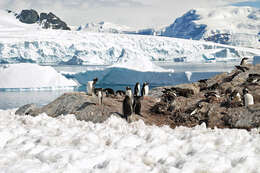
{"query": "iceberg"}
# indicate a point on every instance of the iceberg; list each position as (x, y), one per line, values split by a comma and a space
(27, 76)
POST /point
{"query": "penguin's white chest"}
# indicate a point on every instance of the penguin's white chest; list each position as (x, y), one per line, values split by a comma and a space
(249, 99)
(129, 93)
(146, 90)
(99, 94)
(90, 87)
(238, 97)
(139, 89)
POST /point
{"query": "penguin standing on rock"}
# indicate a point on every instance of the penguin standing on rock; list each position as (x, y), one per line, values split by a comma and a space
(145, 89)
(129, 93)
(100, 96)
(127, 107)
(137, 105)
(91, 86)
(137, 89)
(244, 61)
(120, 93)
(248, 98)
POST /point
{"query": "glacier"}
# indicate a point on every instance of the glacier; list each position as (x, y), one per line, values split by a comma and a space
(22, 43)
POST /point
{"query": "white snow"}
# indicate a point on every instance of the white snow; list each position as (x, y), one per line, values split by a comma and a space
(32, 76)
(45, 144)
(54, 46)
(143, 64)
(105, 27)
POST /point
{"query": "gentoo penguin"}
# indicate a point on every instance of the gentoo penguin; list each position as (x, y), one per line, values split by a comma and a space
(127, 107)
(253, 78)
(91, 86)
(197, 108)
(244, 61)
(248, 98)
(203, 84)
(171, 106)
(109, 92)
(100, 95)
(235, 96)
(145, 89)
(212, 96)
(128, 92)
(137, 105)
(120, 92)
(137, 89)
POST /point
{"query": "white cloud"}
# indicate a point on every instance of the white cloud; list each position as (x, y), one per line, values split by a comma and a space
(137, 13)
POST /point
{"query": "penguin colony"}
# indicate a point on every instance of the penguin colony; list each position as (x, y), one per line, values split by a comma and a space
(131, 103)
(193, 103)
(213, 93)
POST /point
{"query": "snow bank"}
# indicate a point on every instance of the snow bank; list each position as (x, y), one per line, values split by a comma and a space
(143, 64)
(32, 76)
(44, 144)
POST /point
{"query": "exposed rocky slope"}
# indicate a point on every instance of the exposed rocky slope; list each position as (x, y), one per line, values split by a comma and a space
(45, 20)
(211, 101)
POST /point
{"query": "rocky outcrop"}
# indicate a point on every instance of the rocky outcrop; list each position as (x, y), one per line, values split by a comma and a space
(28, 16)
(45, 20)
(52, 21)
(84, 107)
(211, 101)
(214, 104)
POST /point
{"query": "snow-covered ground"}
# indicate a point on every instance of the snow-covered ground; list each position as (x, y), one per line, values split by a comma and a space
(33, 77)
(64, 144)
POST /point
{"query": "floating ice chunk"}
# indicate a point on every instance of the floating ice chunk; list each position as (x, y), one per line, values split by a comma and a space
(32, 77)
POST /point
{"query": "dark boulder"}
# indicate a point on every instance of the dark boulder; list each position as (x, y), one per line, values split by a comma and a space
(50, 20)
(28, 16)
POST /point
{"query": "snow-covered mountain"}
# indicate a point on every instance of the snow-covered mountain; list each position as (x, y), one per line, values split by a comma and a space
(29, 43)
(237, 26)
(105, 27)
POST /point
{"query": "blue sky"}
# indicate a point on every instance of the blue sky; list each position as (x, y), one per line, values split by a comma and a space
(134, 13)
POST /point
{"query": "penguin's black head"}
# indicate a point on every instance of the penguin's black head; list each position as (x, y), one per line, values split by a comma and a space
(245, 91)
(128, 88)
(95, 80)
